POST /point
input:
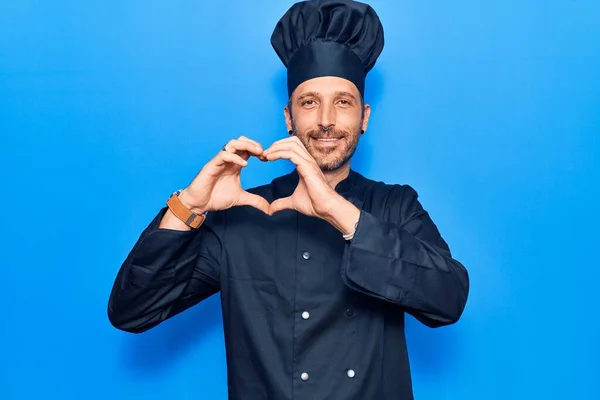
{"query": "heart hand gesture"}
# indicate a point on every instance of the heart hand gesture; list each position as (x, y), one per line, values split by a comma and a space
(218, 185)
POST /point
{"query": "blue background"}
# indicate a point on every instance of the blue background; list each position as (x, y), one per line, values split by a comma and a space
(491, 111)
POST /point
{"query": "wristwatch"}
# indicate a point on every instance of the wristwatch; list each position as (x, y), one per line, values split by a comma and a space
(186, 215)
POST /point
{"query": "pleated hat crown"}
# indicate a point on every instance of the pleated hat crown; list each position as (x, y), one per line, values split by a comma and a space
(340, 38)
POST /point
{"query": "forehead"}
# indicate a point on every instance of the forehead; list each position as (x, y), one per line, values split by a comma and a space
(326, 86)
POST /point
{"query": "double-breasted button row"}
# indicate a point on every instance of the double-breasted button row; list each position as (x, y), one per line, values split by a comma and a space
(306, 315)
(350, 373)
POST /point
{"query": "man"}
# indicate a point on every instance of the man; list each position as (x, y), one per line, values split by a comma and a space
(317, 269)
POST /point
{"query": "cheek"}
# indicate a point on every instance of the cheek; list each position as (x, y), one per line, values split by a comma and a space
(303, 136)
(350, 118)
(305, 121)
(303, 129)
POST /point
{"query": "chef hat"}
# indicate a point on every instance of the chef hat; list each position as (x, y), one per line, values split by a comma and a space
(340, 38)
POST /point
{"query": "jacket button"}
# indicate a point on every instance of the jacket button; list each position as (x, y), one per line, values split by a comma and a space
(305, 315)
(304, 376)
(349, 312)
(350, 373)
(306, 255)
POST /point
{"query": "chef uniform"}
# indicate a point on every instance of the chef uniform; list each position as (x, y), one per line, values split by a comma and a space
(307, 314)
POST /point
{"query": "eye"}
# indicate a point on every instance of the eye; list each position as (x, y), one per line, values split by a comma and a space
(308, 103)
(344, 102)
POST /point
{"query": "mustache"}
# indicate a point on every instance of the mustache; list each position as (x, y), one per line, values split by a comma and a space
(330, 134)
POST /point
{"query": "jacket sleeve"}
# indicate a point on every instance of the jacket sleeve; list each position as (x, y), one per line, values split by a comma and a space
(165, 273)
(401, 258)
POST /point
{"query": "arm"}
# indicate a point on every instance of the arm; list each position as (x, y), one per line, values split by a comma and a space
(400, 258)
(167, 272)
(403, 259)
(171, 268)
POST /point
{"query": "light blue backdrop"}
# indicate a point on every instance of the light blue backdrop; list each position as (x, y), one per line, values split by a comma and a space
(490, 110)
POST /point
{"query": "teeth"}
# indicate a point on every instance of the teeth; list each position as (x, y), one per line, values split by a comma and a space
(327, 140)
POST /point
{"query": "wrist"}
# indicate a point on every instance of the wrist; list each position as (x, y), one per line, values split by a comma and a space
(343, 216)
(187, 201)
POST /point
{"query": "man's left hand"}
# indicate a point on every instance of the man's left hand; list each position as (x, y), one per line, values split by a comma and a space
(313, 196)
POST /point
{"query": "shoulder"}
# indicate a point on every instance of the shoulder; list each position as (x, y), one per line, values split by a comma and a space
(396, 202)
(389, 193)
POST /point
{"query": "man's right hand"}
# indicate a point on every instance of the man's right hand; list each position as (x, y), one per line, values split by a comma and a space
(218, 185)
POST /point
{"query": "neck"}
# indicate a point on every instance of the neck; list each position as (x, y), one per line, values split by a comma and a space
(338, 175)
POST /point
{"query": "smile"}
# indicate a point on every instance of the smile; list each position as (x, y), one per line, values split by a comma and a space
(327, 139)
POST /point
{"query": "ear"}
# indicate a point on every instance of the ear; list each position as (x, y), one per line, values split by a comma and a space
(366, 115)
(288, 117)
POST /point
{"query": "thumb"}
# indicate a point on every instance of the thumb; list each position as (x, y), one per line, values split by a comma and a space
(281, 204)
(254, 200)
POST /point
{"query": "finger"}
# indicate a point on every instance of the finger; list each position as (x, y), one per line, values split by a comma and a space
(239, 146)
(260, 156)
(289, 146)
(284, 203)
(288, 155)
(294, 140)
(254, 142)
(288, 139)
(225, 157)
(254, 200)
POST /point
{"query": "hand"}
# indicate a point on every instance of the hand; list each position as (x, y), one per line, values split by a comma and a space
(218, 186)
(313, 196)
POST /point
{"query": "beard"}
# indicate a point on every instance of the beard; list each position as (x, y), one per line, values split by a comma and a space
(330, 158)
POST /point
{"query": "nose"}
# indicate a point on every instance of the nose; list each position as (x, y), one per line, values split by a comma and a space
(327, 117)
(326, 128)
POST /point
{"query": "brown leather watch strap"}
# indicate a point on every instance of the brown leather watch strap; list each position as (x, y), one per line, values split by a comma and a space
(186, 215)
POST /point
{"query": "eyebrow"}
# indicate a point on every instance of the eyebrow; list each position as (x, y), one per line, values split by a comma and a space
(316, 94)
(307, 94)
(348, 94)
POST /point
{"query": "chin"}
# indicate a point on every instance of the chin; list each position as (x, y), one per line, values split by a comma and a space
(334, 158)
(328, 164)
